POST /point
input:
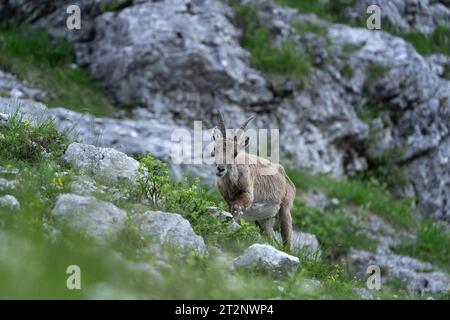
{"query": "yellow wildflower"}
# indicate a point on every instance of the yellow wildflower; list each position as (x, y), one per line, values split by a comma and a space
(58, 182)
(26, 123)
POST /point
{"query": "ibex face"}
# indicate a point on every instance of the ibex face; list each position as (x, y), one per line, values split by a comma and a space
(227, 148)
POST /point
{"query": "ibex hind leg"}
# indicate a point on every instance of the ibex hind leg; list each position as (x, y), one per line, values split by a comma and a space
(266, 225)
(286, 224)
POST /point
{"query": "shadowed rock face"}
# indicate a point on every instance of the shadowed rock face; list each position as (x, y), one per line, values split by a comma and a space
(183, 60)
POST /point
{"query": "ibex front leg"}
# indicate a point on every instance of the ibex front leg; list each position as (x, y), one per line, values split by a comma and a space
(241, 203)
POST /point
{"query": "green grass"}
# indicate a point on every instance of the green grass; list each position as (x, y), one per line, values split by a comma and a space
(331, 11)
(304, 27)
(334, 228)
(358, 192)
(432, 244)
(368, 113)
(22, 141)
(45, 62)
(436, 42)
(287, 60)
(376, 72)
(28, 238)
(31, 237)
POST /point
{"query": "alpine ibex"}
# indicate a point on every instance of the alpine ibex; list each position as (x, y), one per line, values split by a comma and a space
(252, 187)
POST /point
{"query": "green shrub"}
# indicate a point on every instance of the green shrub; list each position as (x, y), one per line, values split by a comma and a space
(21, 140)
(304, 27)
(153, 178)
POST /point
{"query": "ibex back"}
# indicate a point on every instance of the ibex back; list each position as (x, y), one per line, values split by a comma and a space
(253, 187)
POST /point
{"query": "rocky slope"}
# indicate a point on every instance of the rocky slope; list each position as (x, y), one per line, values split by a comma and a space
(106, 176)
(183, 60)
(180, 66)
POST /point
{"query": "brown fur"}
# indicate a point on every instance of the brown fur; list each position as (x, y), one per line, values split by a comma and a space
(244, 187)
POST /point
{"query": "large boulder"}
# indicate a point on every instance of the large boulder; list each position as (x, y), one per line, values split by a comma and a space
(9, 202)
(169, 229)
(107, 163)
(89, 216)
(266, 258)
(177, 52)
(304, 242)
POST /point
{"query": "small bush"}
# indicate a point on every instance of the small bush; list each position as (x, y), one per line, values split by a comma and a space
(153, 178)
(24, 141)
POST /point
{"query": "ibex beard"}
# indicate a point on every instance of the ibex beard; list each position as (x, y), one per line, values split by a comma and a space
(253, 187)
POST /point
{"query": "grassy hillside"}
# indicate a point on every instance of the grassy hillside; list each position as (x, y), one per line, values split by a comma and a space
(31, 237)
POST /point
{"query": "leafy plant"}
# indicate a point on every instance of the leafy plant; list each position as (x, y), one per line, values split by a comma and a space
(25, 141)
(153, 178)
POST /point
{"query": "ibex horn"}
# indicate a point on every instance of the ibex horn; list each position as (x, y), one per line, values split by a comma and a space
(241, 130)
(222, 126)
